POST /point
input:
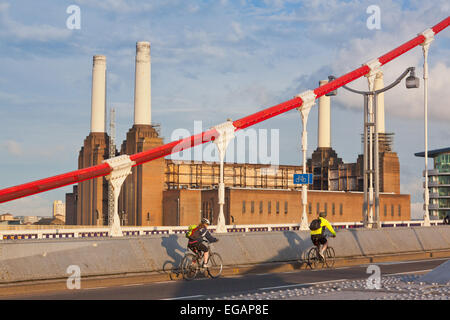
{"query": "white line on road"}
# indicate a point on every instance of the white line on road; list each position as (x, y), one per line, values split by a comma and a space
(186, 297)
(302, 284)
(409, 272)
(406, 262)
(133, 285)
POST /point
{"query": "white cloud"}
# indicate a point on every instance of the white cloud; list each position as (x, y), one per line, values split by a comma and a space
(398, 26)
(13, 98)
(237, 33)
(13, 147)
(135, 6)
(42, 33)
(35, 205)
(407, 103)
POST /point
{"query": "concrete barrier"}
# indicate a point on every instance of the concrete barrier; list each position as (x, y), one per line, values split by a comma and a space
(49, 259)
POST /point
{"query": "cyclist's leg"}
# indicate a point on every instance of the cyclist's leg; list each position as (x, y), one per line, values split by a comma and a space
(316, 242)
(323, 241)
(204, 249)
(324, 247)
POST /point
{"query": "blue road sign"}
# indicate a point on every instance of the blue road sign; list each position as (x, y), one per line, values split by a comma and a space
(306, 178)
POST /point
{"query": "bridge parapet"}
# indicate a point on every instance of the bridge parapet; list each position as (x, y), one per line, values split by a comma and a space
(96, 232)
(49, 259)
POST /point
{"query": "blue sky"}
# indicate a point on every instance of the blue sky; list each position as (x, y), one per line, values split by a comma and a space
(211, 60)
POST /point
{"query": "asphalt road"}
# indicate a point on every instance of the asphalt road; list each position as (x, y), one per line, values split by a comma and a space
(205, 288)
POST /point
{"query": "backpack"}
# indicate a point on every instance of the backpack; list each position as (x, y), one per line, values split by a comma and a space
(315, 224)
(191, 230)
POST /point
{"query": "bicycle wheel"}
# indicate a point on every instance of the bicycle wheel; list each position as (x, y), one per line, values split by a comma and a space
(189, 266)
(329, 257)
(216, 265)
(173, 271)
(313, 257)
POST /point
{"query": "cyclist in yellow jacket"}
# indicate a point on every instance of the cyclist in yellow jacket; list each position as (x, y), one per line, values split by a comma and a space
(318, 236)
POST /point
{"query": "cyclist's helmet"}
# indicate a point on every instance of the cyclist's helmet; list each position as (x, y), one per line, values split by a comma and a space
(205, 221)
(323, 214)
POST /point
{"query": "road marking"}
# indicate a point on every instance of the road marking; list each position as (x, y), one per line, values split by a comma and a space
(186, 297)
(132, 285)
(95, 288)
(410, 261)
(409, 272)
(302, 284)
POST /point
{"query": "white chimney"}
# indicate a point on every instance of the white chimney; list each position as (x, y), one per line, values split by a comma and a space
(324, 132)
(98, 97)
(379, 84)
(142, 85)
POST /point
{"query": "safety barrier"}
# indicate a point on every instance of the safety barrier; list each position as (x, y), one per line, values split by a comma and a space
(99, 232)
(50, 259)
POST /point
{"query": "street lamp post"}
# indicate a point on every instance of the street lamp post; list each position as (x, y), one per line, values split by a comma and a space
(226, 134)
(308, 99)
(429, 36)
(371, 153)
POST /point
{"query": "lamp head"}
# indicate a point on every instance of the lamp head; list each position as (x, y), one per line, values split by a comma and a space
(412, 82)
(334, 92)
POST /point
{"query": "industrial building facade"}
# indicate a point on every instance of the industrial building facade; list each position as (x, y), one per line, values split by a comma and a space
(169, 192)
(438, 183)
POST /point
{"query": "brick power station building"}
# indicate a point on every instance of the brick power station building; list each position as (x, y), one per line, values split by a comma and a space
(168, 192)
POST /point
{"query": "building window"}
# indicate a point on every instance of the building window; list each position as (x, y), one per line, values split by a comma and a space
(399, 210)
(269, 207)
(385, 210)
(318, 207)
(260, 207)
(243, 206)
(278, 207)
(333, 209)
(392, 210)
(285, 207)
(252, 207)
(341, 209)
(310, 208)
(148, 216)
(325, 207)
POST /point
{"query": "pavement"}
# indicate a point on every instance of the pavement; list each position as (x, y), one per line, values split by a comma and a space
(394, 280)
(401, 287)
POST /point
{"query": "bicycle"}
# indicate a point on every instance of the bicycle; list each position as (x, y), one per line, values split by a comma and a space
(192, 264)
(314, 257)
(173, 271)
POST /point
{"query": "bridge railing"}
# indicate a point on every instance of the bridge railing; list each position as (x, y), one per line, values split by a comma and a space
(104, 232)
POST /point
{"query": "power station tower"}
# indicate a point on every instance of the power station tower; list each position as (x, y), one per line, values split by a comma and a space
(112, 154)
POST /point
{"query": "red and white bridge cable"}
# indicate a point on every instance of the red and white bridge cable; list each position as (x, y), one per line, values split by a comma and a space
(105, 168)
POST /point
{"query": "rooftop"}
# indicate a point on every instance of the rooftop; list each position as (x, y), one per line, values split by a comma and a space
(433, 153)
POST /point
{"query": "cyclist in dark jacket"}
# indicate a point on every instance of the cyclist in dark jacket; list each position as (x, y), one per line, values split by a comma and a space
(198, 236)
